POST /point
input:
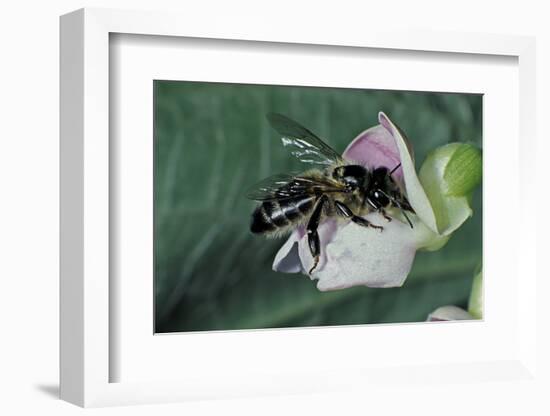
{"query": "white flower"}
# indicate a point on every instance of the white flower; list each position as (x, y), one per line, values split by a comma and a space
(353, 255)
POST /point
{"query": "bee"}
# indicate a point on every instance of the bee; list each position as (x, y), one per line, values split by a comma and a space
(335, 188)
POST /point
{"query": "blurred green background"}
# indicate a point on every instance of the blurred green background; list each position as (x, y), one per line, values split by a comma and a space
(212, 142)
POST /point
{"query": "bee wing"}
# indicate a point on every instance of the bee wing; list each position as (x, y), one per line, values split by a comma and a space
(305, 145)
(284, 186)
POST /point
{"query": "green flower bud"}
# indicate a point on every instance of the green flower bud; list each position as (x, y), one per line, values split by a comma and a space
(475, 303)
(449, 175)
(463, 171)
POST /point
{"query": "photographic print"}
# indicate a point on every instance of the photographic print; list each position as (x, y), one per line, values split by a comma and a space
(286, 206)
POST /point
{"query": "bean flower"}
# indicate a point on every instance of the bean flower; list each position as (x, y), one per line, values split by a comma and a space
(439, 193)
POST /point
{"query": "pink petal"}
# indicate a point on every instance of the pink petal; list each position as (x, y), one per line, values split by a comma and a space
(373, 148)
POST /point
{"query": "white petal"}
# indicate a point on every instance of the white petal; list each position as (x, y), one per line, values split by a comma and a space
(415, 192)
(449, 313)
(365, 256)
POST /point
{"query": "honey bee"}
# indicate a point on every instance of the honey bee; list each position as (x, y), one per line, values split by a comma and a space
(334, 188)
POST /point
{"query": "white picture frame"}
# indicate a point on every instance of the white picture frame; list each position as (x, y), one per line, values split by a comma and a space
(87, 305)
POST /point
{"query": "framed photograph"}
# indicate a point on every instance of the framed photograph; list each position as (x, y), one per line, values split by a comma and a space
(286, 213)
(204, 192)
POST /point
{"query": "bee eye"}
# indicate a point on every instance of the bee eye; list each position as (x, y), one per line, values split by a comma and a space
(376, 194)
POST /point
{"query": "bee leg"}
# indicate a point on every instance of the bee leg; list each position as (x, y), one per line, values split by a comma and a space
(386, 216)
(348, 213)
(312, 234)
(315, 263)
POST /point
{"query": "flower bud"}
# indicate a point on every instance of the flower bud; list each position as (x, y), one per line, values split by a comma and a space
(449, 175)
(475, 303)
(463, 171)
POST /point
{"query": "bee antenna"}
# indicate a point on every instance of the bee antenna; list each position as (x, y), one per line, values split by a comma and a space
(396, 202)
(395, 168)
(407, 218)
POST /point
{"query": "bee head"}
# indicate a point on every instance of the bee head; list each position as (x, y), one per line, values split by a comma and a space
(353, 176)
(383, 191)
(377, 195)
(377, 199)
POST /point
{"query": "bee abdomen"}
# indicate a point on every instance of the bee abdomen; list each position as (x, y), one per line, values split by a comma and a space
(274, 215)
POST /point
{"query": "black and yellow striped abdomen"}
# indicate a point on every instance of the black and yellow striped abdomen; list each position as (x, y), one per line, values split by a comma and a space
(276, 216)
